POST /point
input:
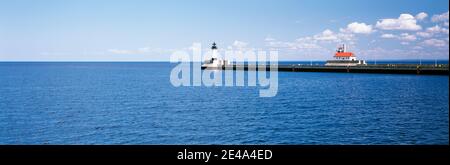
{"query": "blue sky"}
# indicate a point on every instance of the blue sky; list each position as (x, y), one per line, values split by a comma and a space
(143, 30)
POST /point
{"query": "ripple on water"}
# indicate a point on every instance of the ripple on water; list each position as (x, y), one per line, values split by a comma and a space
(134, 103)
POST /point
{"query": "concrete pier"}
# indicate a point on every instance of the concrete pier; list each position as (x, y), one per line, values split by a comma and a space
(441, 69)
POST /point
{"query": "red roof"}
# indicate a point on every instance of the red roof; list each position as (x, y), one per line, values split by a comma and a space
(344, 54)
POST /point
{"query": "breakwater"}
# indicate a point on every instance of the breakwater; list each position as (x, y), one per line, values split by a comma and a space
(441, 69)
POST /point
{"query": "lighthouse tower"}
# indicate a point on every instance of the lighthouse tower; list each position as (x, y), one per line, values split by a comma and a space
(215, 61)
(214, 50)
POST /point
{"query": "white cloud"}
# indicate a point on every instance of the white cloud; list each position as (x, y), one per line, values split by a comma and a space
(269, 39)
(431, 31)
(404, 43)
(326, 35)
(330, 36)
(437, 29)
(421, 16)
(300, 43)
(434, 29)
(279, 44)
(143, 50)
(119, 51)
(383, 53)
(318, 46)
(359, 28)
(435, 42)
(239, 44)
(417, 48)
(445, 31)
(404, 22)
(424, 34)
(345, 37)
(440, 18)
(305, 43)
(407, 37)
(403, 37)
(388, 36)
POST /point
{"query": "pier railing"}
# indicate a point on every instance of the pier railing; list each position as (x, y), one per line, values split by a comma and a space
(440, 69)
(373, 66)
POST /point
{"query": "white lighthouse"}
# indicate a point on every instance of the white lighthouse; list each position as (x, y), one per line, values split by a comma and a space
(215, 61)
(214, 50)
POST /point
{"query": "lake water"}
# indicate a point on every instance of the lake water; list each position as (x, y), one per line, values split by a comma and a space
(135, 103)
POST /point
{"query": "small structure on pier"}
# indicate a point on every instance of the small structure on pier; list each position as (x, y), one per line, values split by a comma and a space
(215, 61)
(344, 58)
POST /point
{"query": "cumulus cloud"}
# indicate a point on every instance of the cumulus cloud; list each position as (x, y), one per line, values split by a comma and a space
(437, 29)
(417, 47)
(431, 31)
(404, 43)
(434, 29)
(118, 51)
(313, 42)
(424, 34)
(440, 18)
(310, 42)
(280, 44)
(306, 43)
(403, 22)
(435, 43)
(326, 35)
(269, 39)
(388, 36)
(407, 37)
(330, 36)
(421, 16)
(358, 28)
(239, 44)
(300, 43)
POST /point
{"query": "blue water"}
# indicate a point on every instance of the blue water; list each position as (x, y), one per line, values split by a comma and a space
(134, 103)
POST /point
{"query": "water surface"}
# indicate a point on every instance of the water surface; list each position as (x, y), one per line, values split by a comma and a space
(134, 103)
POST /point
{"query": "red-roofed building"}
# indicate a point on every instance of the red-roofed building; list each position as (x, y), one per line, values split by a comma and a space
(342, 54)
(344, 58)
